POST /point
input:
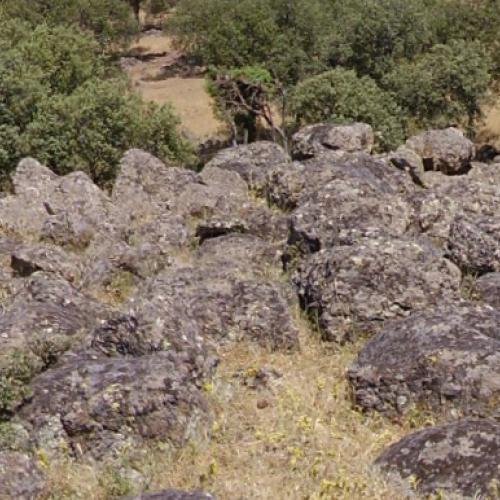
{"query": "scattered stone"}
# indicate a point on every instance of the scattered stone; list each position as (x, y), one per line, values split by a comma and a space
(251, 162)
(487, 289)
(172, 495)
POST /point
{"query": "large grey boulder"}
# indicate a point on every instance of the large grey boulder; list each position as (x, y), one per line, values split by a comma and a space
(460, 458)
(445, 150)
(20, 477)
(355, 288)
(290, 185)
(251, 161)
(313, 140)
(101, 403)
(446, 359)
(474, 244)
(344, 211)
(487, 289)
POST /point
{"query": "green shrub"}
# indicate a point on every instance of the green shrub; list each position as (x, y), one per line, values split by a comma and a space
(445, 85)
(340, 96)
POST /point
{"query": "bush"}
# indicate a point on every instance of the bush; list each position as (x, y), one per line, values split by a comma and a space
(446, 85)
(283, 36)
(340, 96)
(370, 36)
(59, 104)
(108, 20)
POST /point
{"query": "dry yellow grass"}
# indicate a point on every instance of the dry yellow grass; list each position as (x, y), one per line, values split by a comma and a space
(187, 95)
(298, 438)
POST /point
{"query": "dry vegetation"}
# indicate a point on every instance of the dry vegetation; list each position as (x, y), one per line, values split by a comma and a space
(295, 437)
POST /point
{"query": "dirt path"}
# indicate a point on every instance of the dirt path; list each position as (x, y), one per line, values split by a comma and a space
(187, 95)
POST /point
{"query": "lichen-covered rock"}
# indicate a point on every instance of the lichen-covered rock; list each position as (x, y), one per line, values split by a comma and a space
(458, 458)
(104, 402)
(291, 185)
(313, 140)
(358, 287)
(446, 150)
(343, 212)
(28, 259)
(44, 318)
(172, 495)
(474, 244)
(487, 289)
(217, 305)
(446, 358)
(434, 209)
(20, 477)
(251, 162)
(408, 161)
(243, 252)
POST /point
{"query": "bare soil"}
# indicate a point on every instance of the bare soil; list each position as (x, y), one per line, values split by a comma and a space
(187, 95)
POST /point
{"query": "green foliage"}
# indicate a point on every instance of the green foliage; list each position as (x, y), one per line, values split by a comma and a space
(445, 85)
(90, 129)
(280, 35)
(340, 96)
(108, 20)
(372, 35)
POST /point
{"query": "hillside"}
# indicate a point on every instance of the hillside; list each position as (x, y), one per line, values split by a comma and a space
(262, 329)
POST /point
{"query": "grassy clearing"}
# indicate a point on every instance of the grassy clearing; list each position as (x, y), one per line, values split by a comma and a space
(296, 437)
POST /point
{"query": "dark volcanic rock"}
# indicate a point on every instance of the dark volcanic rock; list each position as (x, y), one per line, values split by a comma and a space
(487, 289)
(214, 306)
(474, 244)
(313, 140)
(343, 212)
(446, 150)
(20, 478)
(103, 402)
(360, 286)
(251, 161)
(446, 358)
(462, 457)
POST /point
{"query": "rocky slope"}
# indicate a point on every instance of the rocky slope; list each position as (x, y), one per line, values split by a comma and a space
(115, 305)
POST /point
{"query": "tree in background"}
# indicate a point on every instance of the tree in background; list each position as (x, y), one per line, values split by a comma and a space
(62, 102)
(444, 86)
(340, 96)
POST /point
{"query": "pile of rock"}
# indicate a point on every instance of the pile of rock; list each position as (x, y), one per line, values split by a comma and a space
(114, 304)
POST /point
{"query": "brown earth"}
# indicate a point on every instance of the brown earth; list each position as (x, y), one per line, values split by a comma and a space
(187, 95)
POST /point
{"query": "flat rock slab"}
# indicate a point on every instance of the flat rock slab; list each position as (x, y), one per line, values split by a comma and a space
(446, 358)
(458, 458)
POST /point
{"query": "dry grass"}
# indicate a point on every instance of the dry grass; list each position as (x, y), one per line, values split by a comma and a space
(296, 438)
(187, 95)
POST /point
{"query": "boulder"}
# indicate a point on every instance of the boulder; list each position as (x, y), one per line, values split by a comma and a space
(446, 359)
(103, 403)
(355, 288)
(446, 150)
(459, 458)
(314, 139)
(434, 209)
(487, 289)
(251, 162)
(474, 244)
(408, 161)
(218, 305)
(20, 477)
